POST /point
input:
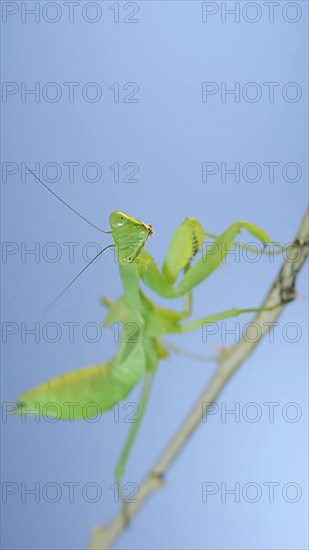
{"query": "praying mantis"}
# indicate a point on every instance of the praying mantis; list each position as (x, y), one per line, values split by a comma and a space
(138, 356)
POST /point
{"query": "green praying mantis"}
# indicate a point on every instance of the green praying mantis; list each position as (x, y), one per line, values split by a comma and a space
(138, 356)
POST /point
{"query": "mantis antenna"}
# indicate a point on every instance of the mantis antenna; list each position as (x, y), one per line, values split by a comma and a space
(83, 218)
(65, 203)
(76, 277)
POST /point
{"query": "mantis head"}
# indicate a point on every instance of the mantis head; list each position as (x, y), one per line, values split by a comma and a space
(129, 235)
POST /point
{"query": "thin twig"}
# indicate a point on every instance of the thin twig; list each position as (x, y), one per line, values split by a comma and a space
(281, 292)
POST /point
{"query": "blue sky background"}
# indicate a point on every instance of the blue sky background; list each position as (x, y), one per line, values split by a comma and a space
(168, 133)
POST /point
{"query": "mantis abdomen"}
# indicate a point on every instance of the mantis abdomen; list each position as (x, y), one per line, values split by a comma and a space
(86, 392)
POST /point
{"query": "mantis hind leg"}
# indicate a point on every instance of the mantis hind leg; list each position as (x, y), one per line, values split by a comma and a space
(222, 315)
(190, 354)
(121, 464)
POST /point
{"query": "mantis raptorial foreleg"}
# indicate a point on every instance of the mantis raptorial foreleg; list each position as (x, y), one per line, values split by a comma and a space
(186, 241)
(208, 263)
